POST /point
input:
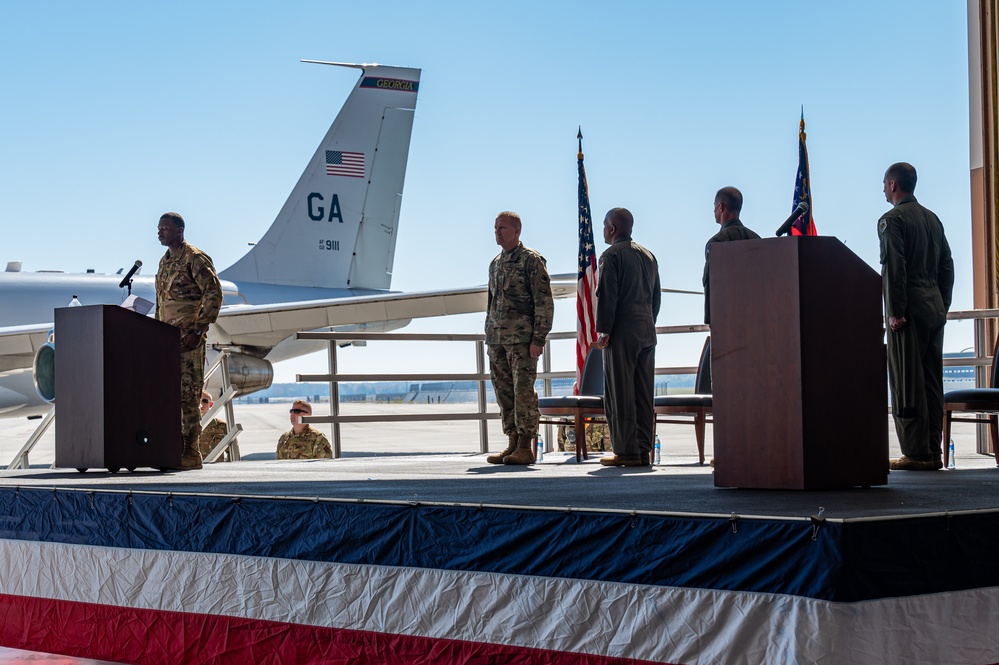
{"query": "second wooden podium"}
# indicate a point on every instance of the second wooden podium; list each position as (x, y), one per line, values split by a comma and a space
(799, 373)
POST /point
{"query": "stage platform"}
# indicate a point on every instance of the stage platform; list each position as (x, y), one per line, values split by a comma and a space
(558, 482)
(396, 555)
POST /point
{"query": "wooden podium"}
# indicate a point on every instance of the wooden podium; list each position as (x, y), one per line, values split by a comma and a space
(117, 388)
(799, 369)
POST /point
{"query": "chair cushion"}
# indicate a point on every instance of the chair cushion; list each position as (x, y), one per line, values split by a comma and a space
(571, 402)
(683, 400)
(974, 396)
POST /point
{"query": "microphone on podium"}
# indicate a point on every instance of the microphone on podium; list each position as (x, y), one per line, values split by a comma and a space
(127, 279)
(785, 228)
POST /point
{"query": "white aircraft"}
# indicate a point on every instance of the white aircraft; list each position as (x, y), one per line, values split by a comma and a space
(326, 261)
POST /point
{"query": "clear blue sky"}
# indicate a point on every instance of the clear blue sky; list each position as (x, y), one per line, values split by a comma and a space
(116, 112)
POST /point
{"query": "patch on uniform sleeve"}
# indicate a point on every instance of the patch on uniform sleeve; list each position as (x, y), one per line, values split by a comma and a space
(882, 225)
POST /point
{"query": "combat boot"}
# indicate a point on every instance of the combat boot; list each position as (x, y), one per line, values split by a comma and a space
(190, 458)
(498, 458)
(524, 453)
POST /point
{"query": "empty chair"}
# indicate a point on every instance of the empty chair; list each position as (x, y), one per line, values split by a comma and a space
(974, 400)
(587, 405)
(697, 405)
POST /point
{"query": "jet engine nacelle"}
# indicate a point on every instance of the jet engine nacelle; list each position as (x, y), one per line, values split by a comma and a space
(248, 374)
(43, 371)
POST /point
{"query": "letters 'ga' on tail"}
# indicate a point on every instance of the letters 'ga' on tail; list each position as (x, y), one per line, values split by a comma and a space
(337, 230)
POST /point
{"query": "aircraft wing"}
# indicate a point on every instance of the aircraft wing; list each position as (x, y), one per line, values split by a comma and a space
(267, 325)
(19, 343)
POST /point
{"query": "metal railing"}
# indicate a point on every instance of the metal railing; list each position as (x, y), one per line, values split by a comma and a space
(980, 361)
(20, 460)
(229, 441)
(480, 376)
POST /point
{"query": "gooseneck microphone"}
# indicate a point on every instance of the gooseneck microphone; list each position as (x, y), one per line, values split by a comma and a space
(127, 280)
(798, 212)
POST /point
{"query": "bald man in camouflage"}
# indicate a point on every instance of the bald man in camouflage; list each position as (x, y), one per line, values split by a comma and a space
(188, 296)
(518, 319)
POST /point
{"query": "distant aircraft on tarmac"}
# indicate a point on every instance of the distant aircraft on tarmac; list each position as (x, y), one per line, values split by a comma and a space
(326, 261)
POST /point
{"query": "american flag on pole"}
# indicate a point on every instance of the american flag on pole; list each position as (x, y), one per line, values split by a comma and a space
(586, 275)
(349, 164)
(804, 225)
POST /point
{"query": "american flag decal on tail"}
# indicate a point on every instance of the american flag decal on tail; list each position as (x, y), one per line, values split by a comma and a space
(347, 164)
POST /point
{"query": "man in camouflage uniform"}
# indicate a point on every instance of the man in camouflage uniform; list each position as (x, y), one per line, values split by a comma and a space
(917, 273)
(302, 441)
(596, 437)
(518, 319)
(188, 296)
(213, 432)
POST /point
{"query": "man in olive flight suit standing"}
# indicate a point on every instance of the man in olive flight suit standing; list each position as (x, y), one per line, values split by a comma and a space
(917, 274)
(518, 319)
(628, 299)
(188, 296)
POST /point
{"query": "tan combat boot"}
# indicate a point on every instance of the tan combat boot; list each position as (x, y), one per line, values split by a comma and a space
(498, 458)
(190, 458)
(523, 454)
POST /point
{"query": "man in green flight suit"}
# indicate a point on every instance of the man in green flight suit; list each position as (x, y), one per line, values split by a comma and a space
(518, 319)
(188, 296)
(917, 274)
(628, 299)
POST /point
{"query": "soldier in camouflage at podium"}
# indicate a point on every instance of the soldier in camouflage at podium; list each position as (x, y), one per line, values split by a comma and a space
(188, 296)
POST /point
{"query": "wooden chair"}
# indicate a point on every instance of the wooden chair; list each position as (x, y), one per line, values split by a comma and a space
(974, 400)
(578, 409)
(697, 405)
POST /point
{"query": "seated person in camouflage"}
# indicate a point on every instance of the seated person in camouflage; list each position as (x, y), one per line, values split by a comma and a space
(302, 441)
(596, 437)
(213, 432)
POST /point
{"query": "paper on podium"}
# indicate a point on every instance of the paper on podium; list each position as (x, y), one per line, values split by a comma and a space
(137, 304)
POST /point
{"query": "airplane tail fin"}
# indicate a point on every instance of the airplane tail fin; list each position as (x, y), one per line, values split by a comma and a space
(338, 227)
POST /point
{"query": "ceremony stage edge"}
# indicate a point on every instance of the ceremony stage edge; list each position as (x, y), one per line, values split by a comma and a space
(229, 566)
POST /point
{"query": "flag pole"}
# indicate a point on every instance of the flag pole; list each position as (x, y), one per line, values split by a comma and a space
(805, 224)
(586, 274)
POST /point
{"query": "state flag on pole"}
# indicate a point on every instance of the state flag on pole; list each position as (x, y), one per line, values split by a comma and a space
(586, 276)
(804, 225)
